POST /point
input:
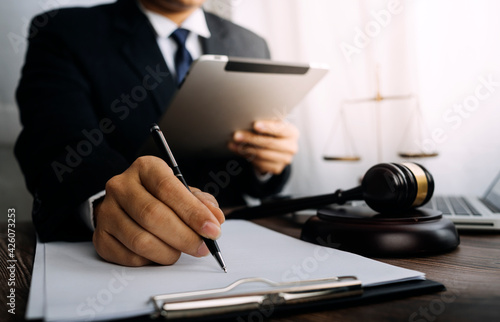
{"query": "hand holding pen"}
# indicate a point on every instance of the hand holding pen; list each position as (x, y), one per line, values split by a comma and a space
(165, 149)
(148, 216)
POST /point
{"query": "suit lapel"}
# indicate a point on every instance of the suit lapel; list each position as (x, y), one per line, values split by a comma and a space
(139, 47)
(215, 45)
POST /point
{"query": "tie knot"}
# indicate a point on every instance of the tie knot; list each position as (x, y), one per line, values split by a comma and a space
(180, 35)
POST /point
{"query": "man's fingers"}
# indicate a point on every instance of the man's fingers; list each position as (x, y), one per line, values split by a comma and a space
(204, 195)
(148, 215)
(113, 251)
(264, 154)
(264, 141)
(156, 227)
(160, 181)
(144, 242)
(270, 147)
(147, 245)
(159, 223)
(281, 129)
(211, 203)
(266, 161)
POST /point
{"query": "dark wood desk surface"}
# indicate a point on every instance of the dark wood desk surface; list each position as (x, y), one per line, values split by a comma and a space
(471, 274)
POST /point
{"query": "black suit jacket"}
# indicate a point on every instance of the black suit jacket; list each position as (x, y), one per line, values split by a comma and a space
(93, 82)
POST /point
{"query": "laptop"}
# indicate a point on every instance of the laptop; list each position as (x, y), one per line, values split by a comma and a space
(470, 212)
(466, 212)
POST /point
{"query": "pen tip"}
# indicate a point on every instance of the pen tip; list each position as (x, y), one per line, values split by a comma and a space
(225, 270)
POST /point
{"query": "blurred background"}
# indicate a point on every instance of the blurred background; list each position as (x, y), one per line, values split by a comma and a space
(407, 79)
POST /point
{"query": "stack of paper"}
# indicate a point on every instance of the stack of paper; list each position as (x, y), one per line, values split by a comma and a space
(71, 283)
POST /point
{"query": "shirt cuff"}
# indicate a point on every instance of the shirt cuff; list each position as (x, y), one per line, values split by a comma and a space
(87, 209)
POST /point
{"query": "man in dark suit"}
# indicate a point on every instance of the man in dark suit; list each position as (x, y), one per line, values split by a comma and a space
(93, 82)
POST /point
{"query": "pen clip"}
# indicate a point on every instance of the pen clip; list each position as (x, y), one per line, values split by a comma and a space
(161, 141)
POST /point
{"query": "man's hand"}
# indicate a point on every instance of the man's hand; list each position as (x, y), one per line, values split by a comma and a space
(270, 147)
(149, 216)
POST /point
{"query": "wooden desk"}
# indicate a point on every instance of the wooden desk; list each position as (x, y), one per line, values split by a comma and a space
(471, 274)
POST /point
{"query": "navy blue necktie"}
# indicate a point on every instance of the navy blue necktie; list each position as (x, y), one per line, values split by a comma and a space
(182, 57)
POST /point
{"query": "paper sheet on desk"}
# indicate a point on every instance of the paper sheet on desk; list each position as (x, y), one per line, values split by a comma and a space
(36, 301)
(80, 286)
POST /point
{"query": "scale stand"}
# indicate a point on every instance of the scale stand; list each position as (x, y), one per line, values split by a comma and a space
(415, 122)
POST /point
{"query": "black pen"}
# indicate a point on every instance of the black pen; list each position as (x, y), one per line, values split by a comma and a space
(165, 149)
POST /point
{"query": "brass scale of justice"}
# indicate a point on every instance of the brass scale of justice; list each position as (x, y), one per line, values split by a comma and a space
(351, 153)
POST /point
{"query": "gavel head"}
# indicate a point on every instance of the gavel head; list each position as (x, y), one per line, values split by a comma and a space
(392, 187)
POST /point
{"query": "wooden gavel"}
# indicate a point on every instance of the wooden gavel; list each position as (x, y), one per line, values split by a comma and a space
(386, 188)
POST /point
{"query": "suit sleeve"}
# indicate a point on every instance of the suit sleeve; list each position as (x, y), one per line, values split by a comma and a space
(252, 186)
(62, 149)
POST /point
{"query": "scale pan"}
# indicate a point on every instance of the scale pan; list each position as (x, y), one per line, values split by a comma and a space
(340, 158)
(417, 155)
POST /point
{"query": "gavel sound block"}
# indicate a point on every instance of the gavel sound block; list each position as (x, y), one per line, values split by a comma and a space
(392, 224)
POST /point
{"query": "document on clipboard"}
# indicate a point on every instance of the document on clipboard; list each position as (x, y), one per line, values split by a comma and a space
(263, 267)
(223, 94)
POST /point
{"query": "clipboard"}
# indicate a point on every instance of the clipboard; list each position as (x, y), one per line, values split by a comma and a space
(296, 296)
(125, 292)
(216, 302)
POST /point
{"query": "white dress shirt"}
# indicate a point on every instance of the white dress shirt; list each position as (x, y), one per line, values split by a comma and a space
(164, 27)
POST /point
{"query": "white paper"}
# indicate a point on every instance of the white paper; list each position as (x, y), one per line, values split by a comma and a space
(81, 286)
(36, 300)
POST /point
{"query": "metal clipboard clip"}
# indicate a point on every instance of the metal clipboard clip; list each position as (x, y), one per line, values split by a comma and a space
(216, 302)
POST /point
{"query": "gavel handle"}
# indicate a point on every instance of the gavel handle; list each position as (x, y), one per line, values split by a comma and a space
(281, 207)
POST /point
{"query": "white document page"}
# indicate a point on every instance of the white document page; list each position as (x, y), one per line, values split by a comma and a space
(81, 286)
(36, 300)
